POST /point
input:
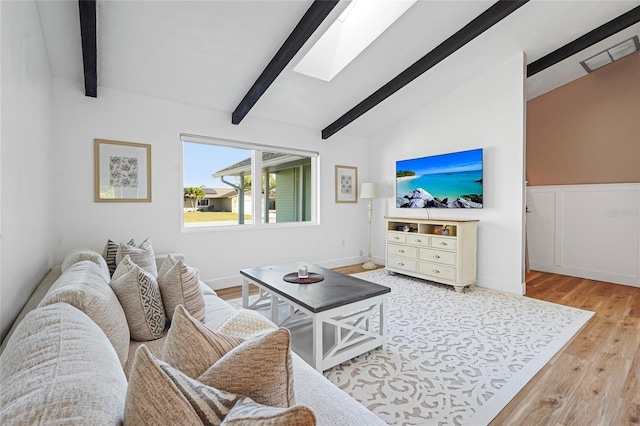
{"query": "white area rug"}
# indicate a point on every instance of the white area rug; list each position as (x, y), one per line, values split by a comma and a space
(453, 359)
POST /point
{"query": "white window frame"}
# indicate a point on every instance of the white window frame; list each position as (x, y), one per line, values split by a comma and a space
(256, 170)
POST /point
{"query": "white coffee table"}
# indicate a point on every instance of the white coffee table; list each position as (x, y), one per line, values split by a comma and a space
(335, 313)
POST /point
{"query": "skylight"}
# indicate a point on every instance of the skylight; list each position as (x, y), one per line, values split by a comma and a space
(355, 29)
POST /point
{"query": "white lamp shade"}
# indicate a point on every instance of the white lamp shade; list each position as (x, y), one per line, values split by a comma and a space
(369, 190)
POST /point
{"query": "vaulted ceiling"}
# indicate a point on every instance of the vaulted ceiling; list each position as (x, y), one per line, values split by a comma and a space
(210, 53)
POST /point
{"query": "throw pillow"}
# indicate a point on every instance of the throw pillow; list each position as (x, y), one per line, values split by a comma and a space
(159, 394)
(84, 286)
(78, 255)
(109, 253)
(143, 256)
(139, 295)
(262, 370)
(245, 323)
(180, 285)
(247, 412)
(191, 347)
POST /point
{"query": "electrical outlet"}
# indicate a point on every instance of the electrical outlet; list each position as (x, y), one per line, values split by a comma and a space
(361, 252)
(343, 243)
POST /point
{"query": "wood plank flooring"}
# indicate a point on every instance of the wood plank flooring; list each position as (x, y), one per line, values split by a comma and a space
(595, 378)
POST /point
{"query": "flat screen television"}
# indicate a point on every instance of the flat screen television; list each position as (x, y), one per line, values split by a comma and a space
(451, 181)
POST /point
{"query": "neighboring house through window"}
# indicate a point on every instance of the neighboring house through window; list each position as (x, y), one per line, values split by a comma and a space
(286, 187)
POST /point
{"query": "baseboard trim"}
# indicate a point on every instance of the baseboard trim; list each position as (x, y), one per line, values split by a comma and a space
(587, 274)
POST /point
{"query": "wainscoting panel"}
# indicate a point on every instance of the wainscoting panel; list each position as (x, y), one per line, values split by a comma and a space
(588, 231)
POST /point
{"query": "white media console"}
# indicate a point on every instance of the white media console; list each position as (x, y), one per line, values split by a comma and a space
(438, 250)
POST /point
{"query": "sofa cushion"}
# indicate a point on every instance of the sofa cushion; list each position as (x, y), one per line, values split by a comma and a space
(78, 255)
(247, 412)
(59, 368)
(180, 285)
(142, 255)
(270, 355)
(159, 394)
(139, 295)
(192, 347)
(84, 286)
(245, 323)
(110, 251)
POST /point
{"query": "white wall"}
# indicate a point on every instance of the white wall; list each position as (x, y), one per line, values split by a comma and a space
(588, 231)
(218, 254)
(487, 113)
(25, 209)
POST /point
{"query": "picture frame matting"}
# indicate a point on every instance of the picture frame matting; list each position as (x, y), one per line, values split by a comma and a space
(122, 171)
(346, 184)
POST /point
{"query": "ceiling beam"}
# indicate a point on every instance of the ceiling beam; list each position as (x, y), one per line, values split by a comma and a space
(311, 20)
(89, 46)
(473, 29)
(592, 37)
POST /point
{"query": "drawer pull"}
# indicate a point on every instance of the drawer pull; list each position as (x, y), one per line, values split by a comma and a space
(435, 271)
(400, 251)
(435, 256)
(443, 243)
(418, 241)
(401, 264)
(396, 238)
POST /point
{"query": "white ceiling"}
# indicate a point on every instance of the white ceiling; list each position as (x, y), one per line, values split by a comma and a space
(209, 53)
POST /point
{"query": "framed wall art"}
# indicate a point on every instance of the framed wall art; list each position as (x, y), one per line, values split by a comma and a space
(122, 171)
(346, 184)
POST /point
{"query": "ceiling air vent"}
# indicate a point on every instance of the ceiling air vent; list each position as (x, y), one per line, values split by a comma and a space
(614, 53)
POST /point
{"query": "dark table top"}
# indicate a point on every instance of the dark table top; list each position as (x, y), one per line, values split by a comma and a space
(335, 290)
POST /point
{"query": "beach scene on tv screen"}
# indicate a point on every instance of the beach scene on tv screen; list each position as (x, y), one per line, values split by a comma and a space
(442, 181)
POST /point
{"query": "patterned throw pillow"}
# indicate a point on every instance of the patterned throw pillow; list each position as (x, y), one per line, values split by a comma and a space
(262, 370)
(192, 347)
(247, 412)
(109, 253)
(139, 295)
(262, 367)
(180, 285)
(143, 256)
(159, 394)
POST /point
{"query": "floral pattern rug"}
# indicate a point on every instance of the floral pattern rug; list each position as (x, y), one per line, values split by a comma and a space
(453, 358)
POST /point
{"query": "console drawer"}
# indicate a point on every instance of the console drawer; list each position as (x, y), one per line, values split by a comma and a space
(396, 237)
(439, 256)
(443, 243)
(400, 263)
(437, 271)
(421, 240)
(402, 251)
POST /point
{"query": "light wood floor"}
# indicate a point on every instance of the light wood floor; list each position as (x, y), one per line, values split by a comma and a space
(595, 378)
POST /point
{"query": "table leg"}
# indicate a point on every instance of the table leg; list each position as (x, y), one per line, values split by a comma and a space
(316, 349)
(274, 309)
(383, 322)
(245, 293)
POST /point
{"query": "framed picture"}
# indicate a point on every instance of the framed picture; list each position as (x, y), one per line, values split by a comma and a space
(346, 184)
(122, 171)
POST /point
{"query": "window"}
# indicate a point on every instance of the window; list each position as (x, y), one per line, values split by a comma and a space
(224, 170)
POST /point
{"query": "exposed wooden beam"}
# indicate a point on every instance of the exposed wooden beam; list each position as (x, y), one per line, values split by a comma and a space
(473, 29)
(592, 37)
(89, 46)
(300, 34)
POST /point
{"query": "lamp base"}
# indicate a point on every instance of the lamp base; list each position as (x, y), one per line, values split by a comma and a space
(369, 265)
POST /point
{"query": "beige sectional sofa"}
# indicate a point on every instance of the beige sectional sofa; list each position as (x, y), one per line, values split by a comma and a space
(65, 362)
